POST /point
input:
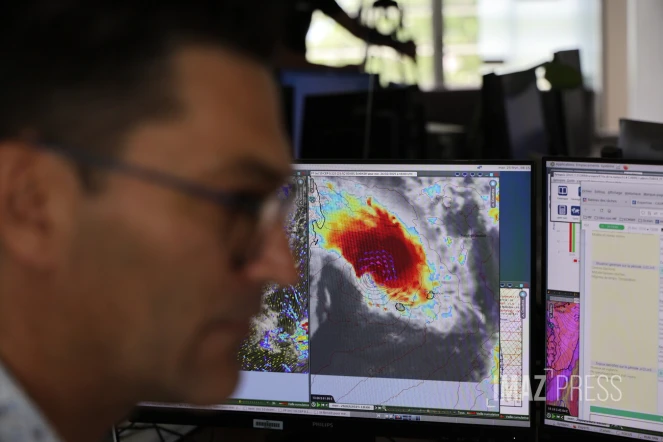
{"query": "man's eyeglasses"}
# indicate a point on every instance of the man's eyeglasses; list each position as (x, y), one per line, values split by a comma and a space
(259, 213)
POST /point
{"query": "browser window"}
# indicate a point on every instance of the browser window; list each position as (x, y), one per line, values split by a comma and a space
(604, 300)
(622, 330)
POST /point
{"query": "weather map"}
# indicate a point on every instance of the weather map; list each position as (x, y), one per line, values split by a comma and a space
(279, 339)
(562, 366)
(404, 283)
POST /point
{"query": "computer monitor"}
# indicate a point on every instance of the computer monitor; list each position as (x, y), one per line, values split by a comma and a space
(514, 124)
(412, 315)
(494, 140)
(554, 116)
(385, 124)
(525, 119)
(641, 140)
(288, 106)
(307, 82)
(576, 110)
(602, 273)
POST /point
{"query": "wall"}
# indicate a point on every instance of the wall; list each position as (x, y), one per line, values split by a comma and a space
(614, 101)
(645, 59)
(632, 61)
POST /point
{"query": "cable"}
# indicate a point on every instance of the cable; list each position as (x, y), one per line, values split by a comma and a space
(174, 433)
(158, 430)
(366, 148)
(369, 118)
(126, 431)
(131, 429)
(122, 430)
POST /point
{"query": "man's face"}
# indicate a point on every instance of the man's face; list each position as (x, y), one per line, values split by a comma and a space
(156, 285)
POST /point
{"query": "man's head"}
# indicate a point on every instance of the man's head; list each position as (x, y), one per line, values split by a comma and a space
(104, 270)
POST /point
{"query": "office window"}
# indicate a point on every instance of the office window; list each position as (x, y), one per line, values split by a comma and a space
(479, 36)
(330, 44)
(461, 62)
(519, 34)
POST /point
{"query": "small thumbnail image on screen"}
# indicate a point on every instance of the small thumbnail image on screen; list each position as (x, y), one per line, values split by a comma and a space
(563, 351)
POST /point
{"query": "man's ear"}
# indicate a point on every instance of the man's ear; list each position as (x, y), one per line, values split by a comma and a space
(36, 205)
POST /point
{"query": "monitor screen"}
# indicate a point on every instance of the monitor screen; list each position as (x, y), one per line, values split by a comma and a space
(413, 304)
(602, 279)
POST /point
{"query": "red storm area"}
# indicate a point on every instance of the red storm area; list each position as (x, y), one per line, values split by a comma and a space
(376, 243)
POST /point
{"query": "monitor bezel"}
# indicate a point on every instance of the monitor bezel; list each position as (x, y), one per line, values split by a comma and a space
(547, 430)
(366, 426)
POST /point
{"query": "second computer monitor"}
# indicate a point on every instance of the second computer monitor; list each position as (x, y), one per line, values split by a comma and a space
(412, 310)
(603, 276)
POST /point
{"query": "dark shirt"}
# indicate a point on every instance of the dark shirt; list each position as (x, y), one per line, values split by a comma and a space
(299, 15)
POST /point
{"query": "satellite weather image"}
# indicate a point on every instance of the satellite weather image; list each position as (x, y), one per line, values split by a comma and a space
(404, 277)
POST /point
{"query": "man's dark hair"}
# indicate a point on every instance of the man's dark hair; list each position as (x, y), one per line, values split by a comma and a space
(83, 73)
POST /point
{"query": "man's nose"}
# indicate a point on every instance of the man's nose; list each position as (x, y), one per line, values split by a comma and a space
(275, 263)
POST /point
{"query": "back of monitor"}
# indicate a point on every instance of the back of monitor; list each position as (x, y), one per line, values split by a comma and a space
(641, 140)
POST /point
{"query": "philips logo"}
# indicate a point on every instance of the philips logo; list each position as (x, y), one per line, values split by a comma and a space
(323, 424)
(269, 425)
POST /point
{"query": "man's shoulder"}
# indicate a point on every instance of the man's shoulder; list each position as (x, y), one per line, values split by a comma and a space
(20, 419)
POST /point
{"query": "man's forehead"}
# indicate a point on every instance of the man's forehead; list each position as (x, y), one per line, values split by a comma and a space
(208, 78)
(233, 116)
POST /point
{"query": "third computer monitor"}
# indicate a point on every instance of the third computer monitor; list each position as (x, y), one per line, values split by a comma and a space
(603, 279)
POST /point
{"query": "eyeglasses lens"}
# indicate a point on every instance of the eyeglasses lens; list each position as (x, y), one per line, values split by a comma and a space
(249, 233)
